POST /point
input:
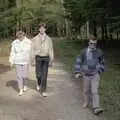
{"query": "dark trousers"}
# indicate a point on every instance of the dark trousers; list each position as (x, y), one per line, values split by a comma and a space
(42, 71)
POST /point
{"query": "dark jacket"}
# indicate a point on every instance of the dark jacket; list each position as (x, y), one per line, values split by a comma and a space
(90, 67)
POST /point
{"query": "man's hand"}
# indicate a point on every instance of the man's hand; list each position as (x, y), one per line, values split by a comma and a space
(50, 64)
(32, 61)
(33, 64)
(11, 65)
(78, 75)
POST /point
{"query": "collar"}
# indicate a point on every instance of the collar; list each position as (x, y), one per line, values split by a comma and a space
(42, 35)
(89, 49)
(22, 39)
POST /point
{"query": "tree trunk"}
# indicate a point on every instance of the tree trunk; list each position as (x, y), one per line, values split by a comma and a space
(18, 5)
(94, 29)
(88, 31)
(67, 27)
(102, 29)
(117, 35)
(106, 34)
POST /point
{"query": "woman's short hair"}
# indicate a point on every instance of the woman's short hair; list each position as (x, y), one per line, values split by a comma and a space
(42, 24)
(20, 33)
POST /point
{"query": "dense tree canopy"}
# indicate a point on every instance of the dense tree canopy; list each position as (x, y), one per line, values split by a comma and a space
(98, 12)
(59, 14)
(26, 14)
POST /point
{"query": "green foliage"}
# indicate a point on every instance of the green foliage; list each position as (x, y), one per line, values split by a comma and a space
(98, 11)
(26, 14)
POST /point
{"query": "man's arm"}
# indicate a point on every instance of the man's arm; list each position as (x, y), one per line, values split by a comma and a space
(101, 62)
(32, 51)
(78, 63)
(12, 55)
(51, 51)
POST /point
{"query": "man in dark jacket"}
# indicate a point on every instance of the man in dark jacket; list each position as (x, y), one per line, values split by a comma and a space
(90, 64)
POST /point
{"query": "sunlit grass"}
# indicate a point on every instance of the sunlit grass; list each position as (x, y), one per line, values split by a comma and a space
(5, 48)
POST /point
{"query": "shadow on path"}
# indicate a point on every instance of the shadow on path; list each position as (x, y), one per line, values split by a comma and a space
(4, 68)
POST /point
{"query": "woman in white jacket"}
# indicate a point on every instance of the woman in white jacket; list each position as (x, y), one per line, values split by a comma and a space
(20, 57)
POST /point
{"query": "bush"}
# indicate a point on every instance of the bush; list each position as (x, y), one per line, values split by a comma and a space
(5, 48)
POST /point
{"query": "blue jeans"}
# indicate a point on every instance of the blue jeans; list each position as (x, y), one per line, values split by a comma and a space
(42, 63)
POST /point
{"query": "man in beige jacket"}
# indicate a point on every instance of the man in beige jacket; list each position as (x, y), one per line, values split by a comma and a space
(42, 56)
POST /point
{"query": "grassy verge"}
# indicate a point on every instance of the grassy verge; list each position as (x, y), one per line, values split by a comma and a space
(5, 48)
(66, 52)
(110, 80)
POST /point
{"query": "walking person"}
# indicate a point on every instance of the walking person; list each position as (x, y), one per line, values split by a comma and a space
(42, 56)
(90, 64)
(20, 57)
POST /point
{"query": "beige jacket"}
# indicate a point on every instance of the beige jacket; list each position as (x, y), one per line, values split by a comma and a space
(42, 45)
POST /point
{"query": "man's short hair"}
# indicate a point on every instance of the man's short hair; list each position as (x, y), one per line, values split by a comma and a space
(20, 33)
(42, 24)
(93, 38)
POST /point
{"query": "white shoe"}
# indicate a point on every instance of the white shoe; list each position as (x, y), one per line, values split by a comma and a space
(85, 105)
(38, 88)
(44, 94)
(97, 111)
(25, 88)
(21, 92)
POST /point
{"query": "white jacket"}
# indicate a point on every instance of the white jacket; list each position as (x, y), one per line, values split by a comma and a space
(20, 51)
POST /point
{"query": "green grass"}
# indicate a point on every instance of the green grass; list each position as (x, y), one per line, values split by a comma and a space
(66, 51)
(5, 48)
(110, 79)
(110, 85)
